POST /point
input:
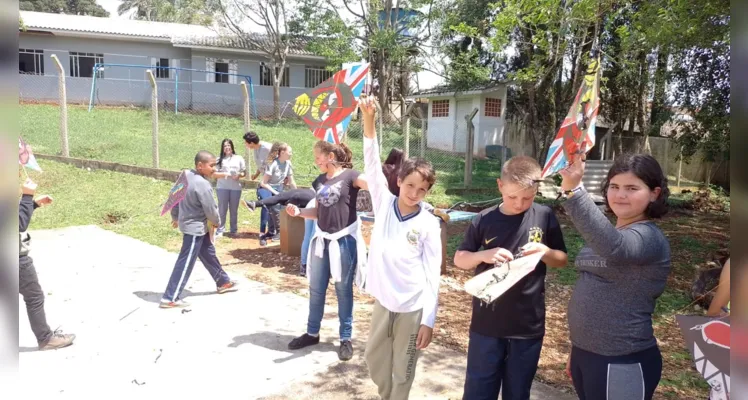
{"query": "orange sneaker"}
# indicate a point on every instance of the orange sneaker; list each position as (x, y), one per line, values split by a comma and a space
(231, 286)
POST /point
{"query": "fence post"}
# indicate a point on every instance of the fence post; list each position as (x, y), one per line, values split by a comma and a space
(406, 131)
(63, 97)
(680, 167)
(245, 111)
(154, 116)
(470, 144)
(424, 132)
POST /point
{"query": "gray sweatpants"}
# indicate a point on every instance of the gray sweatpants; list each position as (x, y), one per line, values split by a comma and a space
(391, 353)
(228, 200)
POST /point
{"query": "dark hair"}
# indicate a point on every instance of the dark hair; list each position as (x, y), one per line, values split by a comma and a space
(223, 143)
(343, 155)
(203, 156)
(251, 137)
(646, 168)
(521, 170)
(395, 157)
(421, 166)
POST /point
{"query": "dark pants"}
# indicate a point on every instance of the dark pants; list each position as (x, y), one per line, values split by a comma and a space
(629, 377)
(33, 296)
(497, 364)
(297, 197)
(263, 194)
(194, 247)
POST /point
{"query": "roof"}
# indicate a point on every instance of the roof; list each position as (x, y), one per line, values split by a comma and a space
(178, 34)
(448, 91)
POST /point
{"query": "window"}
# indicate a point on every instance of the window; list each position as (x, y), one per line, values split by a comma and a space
(440, 108)
(266, 78)
(221, 71)
(493, 107)
(161, 66)
(82, 64)
(31, 61)
(313, 76)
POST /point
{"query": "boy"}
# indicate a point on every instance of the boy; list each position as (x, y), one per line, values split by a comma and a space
(28, 282)
(405, 255)
(192, 215)
(507, 335)
(261, 151)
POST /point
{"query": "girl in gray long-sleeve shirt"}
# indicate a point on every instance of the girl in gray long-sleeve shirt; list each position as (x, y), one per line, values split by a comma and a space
(622, 271)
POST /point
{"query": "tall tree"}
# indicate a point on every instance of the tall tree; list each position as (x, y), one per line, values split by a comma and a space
(197, 12)
(75, 7)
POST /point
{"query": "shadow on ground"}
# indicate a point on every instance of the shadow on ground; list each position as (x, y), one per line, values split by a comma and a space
(279, 342)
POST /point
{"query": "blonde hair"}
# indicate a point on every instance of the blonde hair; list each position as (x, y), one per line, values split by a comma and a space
(522, 170)
(276, 150)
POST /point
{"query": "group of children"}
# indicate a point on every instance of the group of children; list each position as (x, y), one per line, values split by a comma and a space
(622, 269)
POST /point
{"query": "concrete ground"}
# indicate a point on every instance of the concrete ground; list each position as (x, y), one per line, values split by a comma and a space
(105, 288)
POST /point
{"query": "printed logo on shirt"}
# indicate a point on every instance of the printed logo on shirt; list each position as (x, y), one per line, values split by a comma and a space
(535, 235)
(490, 240)
(412, 237)
(329, 195)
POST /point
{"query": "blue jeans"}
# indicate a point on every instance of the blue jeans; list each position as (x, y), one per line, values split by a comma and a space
(309, 228)
(496, 361)
(320, 276)
(263, 194)
(228, 201)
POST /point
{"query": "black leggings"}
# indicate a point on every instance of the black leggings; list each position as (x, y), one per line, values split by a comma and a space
(628, 377)
(297, 197)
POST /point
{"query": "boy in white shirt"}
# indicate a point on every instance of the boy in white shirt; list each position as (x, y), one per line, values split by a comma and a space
(404, 267)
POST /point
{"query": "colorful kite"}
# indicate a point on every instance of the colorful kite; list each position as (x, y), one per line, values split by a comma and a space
(26, 157)
(176, 194)
(577, 132)
(708, 340)
(491, 284)
(327, 108)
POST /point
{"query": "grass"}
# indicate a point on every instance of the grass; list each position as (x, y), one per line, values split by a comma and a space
(123, 135)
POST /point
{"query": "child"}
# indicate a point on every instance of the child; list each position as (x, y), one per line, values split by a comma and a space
(260, 149)
(278, 170)
(337, 248)
(507, 335)
(192, 215)
(28, 282)
(229, 169)
(405, 255)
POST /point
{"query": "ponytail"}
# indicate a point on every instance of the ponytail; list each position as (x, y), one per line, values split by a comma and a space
(342, 153)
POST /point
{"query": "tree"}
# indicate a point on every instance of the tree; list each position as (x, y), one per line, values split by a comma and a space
(391, 35)
(273, 16)
(75, 7)
(197, 12)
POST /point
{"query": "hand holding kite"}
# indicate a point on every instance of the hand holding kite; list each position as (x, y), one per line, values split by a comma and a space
(572, 175)
(43, 200)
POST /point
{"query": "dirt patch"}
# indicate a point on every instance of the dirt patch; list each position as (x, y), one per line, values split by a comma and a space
(693, 238)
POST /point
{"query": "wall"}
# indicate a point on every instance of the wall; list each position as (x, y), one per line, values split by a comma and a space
(489, 130)
(441, 130)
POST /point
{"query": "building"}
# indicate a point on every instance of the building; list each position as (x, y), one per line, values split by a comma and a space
(447, 126)
(205, 67)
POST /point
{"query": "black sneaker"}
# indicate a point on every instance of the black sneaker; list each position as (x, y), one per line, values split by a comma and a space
(302, 270)
(303, 341)
(250, 205)
(345, 352)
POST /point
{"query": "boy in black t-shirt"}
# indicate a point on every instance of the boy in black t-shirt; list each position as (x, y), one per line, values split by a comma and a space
(506, 336)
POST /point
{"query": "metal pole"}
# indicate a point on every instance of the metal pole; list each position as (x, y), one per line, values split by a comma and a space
(93, 85)
(176, 91)
(63, 107)
(154, 117)
(470, 145)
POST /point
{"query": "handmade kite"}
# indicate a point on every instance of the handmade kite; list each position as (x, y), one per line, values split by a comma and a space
(327, 108)
(26, 157)
(491, 284)
(176, 194)
(577, 132)
(708, 340)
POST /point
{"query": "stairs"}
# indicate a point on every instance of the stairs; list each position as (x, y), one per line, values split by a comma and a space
(594, 173)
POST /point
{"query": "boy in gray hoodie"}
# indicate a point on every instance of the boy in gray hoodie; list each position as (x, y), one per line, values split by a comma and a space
(192, 215)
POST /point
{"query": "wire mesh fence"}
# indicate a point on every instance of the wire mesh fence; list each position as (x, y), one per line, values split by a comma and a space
(114, 122)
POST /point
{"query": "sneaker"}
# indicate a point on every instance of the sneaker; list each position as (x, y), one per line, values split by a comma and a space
(302, 270)
(345, 352)
(303, 341)
(58, 340)
(276, 237)
(174, 304)
(228, 287)
(263, 241)
(249, 205)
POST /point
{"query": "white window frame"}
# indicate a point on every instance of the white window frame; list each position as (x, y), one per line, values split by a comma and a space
(173, 63)
(266, 78)
(210, 66)
(75, 57)
(38, 61)
(314, 75)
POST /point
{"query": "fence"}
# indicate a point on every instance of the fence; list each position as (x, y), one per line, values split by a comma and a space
(136, 123)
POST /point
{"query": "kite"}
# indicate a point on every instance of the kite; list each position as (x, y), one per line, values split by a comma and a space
(491, 284)
(577, 132)
(327, 108)
(176, 194)
(26, 157)
(708, 340)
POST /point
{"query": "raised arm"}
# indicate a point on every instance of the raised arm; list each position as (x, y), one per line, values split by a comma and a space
(375, 178)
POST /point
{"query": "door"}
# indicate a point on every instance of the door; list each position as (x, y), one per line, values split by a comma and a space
(464, 107)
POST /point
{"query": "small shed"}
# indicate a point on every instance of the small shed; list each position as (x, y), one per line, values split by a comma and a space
(447, 108)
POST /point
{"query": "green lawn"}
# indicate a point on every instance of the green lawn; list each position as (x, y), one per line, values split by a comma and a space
(123, 135)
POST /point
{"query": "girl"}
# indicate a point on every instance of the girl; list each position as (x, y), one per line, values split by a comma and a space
(230, 168)
(391, 168)
(278, 169)
(336, 247)
(622, 271)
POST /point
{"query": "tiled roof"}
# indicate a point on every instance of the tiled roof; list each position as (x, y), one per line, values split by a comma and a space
(448, 90)
(178, 34)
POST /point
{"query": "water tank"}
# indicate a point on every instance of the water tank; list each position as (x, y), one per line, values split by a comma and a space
(401, 17)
